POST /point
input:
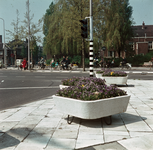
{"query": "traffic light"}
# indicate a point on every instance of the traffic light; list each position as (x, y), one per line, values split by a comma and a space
(84, 28)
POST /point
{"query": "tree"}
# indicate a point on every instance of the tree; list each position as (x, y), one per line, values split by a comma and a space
(24, 52)
(65, 29)
(15, 36)
(34, 49)
(46, 20)
(30, 29)
(63, 34)
(117, 27)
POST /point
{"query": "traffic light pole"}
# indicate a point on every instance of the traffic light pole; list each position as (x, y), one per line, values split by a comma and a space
(91, 41)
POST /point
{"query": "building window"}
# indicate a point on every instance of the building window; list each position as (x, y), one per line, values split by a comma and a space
(1, 52)
(131, 45)
(111, 53)
(150, 45)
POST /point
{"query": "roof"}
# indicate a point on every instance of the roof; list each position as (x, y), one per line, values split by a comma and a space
(139, 32)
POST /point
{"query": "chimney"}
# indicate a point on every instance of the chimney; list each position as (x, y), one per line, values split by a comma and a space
(143, 25)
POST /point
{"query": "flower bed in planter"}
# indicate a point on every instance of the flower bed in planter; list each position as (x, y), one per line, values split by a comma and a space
(113, 77)
(91, 98)
(75, 80)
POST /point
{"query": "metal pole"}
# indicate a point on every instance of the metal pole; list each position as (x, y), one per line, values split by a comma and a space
(103, 59)
(28, 38)
(4, 44)
(91, 41)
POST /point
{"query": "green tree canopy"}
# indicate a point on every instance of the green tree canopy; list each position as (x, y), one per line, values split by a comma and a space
(118, 22)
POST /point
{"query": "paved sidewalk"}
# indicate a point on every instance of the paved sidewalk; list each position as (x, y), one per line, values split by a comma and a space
(39, 126)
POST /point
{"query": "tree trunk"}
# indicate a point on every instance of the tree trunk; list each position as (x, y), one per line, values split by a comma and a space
(83, 49)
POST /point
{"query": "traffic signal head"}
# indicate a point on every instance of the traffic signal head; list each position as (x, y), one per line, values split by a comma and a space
(84, 28)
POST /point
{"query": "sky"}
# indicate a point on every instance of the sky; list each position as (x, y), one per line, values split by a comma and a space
(142, 11)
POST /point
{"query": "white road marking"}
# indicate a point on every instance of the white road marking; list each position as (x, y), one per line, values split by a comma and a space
(2, 81)
(20, 76)
(23, 88)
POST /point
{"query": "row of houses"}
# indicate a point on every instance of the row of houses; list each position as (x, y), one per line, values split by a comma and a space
(141, 43)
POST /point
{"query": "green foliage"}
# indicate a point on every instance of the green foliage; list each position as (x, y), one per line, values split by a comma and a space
(77, 58)
(48, 61)
(136, 60)
(117, 28)
(62, 29)
(23, 52)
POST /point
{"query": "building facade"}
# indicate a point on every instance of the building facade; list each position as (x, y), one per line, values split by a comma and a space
(142, 42)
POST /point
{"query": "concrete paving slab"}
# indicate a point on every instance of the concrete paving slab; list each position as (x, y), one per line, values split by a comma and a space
(138, 143)
(25, 146)
(7, 125)
(65, 134)
(109, 146)
(138, 126)
(8, 142)
(138, 134)
(91, 130)
(37, 139)
(85, 143)
(61, 144)
(114, 127)
(114, 137)
(19, 133)
(31, 120)
(6, 114)
(85, 136)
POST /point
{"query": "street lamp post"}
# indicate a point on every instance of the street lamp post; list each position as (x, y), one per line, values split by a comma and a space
(4, 43)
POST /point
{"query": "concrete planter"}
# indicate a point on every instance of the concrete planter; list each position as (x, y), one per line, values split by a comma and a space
(63, 86)
(115, 80)
(91, 109)
(98, 75)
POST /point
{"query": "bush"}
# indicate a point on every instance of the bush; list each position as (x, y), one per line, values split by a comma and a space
(48, 61)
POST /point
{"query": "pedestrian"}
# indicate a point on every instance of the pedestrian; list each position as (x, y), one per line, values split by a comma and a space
(63, 60)
(52, 63)
(67, 62)
(42, 62)
(112, 63)
(33, 63)
(123, 61)
(24, 64)
(56, 64)
(101, 62)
